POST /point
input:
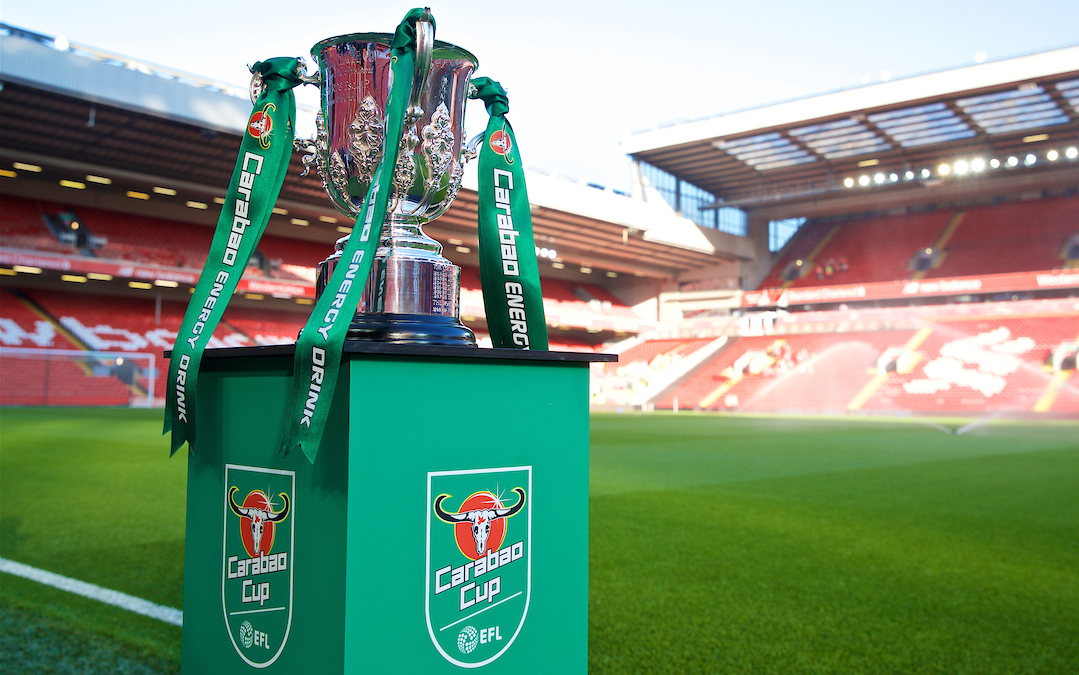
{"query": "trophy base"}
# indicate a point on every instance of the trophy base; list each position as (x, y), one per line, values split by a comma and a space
(411, 329)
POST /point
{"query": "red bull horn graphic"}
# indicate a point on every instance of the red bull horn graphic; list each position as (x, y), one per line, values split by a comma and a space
(257, 518)
(256, 566)
(480, 522)
(479, 561)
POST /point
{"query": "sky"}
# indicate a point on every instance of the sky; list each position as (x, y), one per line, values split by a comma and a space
(583, 75)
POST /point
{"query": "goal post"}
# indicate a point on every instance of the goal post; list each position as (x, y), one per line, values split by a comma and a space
(73, 377)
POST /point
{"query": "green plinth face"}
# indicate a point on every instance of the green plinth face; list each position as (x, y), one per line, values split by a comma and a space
(471, 431)
(443, 525)
(263, 572)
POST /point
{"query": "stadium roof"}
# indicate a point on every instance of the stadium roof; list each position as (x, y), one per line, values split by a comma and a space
(805, 154)
(79, 110)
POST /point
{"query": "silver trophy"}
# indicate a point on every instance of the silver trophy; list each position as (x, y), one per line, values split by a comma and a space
(413, 293)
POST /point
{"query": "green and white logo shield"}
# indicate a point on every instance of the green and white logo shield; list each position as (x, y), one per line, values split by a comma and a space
(256, 560)
(479, 561)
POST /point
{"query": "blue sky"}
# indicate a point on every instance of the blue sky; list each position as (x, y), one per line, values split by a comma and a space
(581, 75)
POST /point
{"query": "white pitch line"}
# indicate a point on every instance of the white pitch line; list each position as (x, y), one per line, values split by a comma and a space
(115, 598)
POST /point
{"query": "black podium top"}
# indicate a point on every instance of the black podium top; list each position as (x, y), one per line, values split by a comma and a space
(390, 349)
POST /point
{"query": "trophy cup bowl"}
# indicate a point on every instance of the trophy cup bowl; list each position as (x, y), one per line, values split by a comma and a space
(412, 295)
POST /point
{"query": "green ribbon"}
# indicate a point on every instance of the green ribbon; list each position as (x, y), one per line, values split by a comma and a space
(256, 181)
(509, 272)
(319, 347)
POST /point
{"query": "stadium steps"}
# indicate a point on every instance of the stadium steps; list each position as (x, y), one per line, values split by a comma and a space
(941, 243)
(44, 315)
(1045, 403)
(681, 372)
(236, 329)
(881, 377)
(810, 259)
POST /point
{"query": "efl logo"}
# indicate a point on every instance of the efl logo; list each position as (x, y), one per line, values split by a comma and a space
(261, 125)
(479, 561)
(256, 566)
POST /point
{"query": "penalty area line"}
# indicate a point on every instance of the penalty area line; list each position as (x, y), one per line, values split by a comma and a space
(87, 590)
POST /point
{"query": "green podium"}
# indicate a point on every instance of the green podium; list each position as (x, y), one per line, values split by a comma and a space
(443, 525)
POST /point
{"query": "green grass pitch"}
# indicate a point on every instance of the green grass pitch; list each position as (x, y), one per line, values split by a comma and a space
(718, 544)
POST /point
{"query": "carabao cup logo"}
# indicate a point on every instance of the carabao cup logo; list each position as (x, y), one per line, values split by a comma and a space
(261, 125)
(256, 566)
(501, 142)
(479, 561)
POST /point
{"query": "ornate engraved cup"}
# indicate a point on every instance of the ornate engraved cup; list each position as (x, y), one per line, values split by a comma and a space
(412, 295)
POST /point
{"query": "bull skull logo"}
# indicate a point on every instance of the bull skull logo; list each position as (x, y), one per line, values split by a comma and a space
(258, 515)
(481, 519)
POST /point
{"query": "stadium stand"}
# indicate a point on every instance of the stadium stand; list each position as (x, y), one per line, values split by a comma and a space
(98, 323)
(859, 243)
(149, 241)
(291, 258)
(952, 365)
(865, 175)
(813, 235)
(637, 367)
(813, 372)
(1011, 237)
(1021, 236)
(146, 240)
(33, 377)
(24, 325)
(987, 364)
(22, 226)
(262, 327)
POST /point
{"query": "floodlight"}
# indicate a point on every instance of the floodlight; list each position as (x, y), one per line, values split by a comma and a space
(925, 173)
(995, 163)
(1030, 160)
(1013, 161)
(1052, 155)
(848, 182)
(944, 169)
(977, 164)
(909, 175)
(893, 177)
(1071, 153)
(863, 181)
(962, 166)
(878, 179)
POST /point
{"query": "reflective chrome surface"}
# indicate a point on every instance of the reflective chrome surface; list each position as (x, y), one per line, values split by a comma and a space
(410, 279)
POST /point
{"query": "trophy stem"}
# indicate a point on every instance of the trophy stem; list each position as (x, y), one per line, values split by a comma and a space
(412, 295)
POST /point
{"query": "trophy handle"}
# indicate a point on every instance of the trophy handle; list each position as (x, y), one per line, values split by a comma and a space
(425, 43)
(257, 86)
(315, 79)
(472, 150)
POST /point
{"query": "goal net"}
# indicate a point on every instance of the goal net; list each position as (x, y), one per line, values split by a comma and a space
(57, 377)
